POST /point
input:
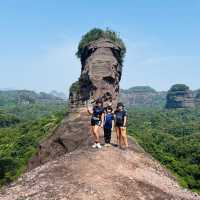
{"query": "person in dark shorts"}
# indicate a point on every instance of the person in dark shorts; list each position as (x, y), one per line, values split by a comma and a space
(108, 125)
(120, 125)
(97, 121)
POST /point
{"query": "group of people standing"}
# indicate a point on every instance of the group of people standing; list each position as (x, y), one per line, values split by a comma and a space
(108, 120)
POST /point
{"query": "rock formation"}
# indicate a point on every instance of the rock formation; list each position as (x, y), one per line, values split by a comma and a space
(100, 74)
(67, 137)
(74, 96)
(180, 96)
(101, 71)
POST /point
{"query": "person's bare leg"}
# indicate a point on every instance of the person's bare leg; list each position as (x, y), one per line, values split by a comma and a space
(96, 133)
(92, 131)
(120, 138)
(117, 134)
(124, 137)
(94, 136)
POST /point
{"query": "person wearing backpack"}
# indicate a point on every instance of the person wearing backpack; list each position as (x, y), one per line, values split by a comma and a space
(120, 125)
(97, 121)
(108, 125)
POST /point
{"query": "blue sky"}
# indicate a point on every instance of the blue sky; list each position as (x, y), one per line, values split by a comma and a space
(38, 41)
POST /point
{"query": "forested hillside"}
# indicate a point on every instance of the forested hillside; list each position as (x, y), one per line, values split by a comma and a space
(29, 105)
(25, 119)
(172, 137)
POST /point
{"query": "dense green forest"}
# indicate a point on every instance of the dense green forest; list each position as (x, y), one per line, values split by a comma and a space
(23, 123)
(172, 137)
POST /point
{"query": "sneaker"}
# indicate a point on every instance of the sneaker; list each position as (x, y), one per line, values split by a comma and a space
(98, 145)
(107, 145)
(94, 145)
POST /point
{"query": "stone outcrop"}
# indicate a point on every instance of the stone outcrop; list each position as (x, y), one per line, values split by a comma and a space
(71, 134)
(100, 76)
(74, 96)
(100, 73)
(180, 96)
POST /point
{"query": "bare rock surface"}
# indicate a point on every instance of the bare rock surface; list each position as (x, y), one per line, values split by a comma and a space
(71, 134)
(100, 73)
(91, 174)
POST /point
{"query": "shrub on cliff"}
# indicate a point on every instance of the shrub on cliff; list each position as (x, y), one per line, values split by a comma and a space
(95, 34)
(75, 88)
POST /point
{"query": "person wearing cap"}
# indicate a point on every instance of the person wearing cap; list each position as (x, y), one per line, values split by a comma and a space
(120, 125)
(97, 121)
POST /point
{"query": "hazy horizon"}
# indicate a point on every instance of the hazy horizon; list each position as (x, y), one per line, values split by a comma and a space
(39, 40)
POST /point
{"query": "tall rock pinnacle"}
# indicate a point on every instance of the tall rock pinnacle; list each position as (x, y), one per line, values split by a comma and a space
(101, 71)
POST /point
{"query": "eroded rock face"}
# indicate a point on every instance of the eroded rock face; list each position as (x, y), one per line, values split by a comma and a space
(180, 96)
(101, 72)
(71, 134)
(75, 100)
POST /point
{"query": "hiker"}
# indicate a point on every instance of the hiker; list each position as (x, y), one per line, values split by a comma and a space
(120, 125)
(108, 125)
(97, 121)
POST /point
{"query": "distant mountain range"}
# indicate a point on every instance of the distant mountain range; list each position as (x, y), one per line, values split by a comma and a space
(143, 96)
(138, 96)
(59, 94)
(27, 97)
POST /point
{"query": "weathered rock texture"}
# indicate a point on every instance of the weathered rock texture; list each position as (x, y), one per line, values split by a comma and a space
(75, 100)
(73, 133)
(180, 96)
(101, 72)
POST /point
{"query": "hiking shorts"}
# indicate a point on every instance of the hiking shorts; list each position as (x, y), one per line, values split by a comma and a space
(95, 122)
(119, 124)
